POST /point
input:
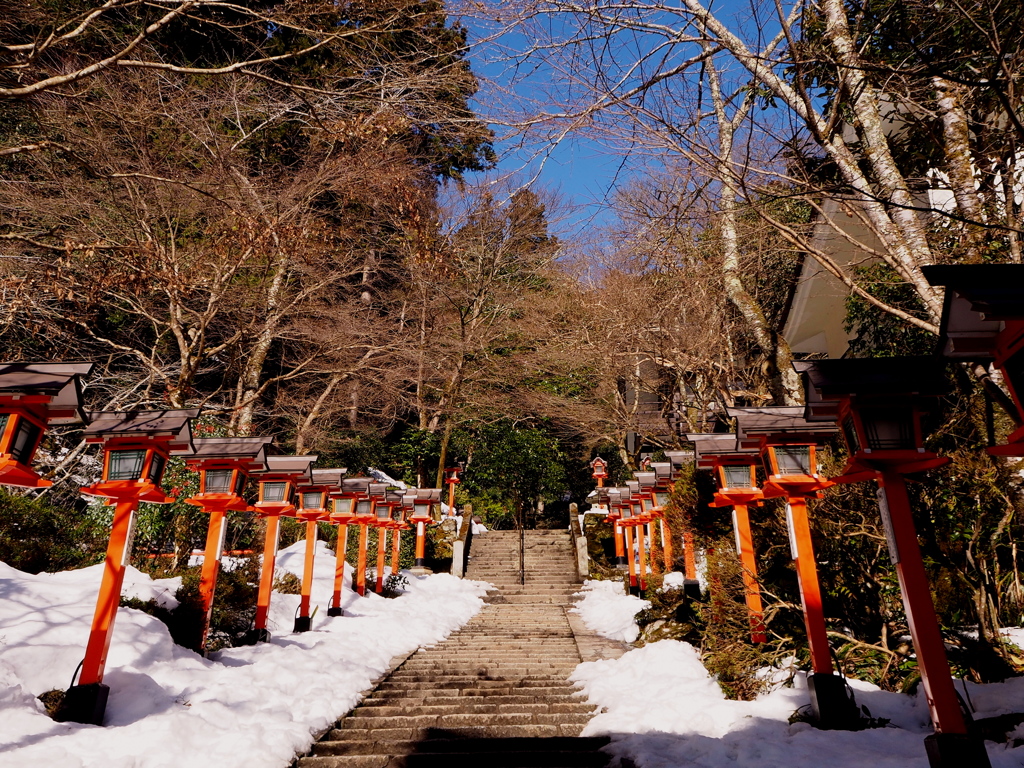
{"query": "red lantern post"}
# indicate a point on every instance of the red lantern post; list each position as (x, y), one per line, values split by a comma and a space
(879, 403)
(137, 446)
(422, 515)
(344, 515)
(34, 396)
(737, 488)
(649, 510)
(452, 477)
(312, 509)
(618, 500)
(224, 465)
(364, 519)
(384, 509)
(787, 443)
(662, 496)
(277, 490)
(691, 585)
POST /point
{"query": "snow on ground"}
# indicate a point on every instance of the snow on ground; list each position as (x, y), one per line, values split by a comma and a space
(607, 610)
(663, 710)
(253, 706)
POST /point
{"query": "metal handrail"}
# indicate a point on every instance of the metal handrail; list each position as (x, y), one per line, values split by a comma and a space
(522, 554)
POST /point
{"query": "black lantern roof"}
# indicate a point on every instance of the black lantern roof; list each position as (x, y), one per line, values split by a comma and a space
(663, 469)
(250, 450)
(61, 382)
(779, 423)
(356, 485)
(646, 479)
(979, 299)
(328, 476)
(828, 381)
(174, 426)
(677, 459)
(427, 494)
(295, 468)
(770, 420)
(322, 479)
(717, 448)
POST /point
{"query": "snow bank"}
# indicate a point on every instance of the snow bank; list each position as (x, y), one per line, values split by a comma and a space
(251, 707)
(663, 709)
(608, 611)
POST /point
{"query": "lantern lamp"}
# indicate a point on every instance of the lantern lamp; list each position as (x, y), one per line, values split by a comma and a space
(224, 465)
(788, 444)
(356, 490)
(625, 512)
(452, 477)
(678, 459)
(136, 445)
(626, 523)
(34, 396)
(313, 495)
(422, 513)
(343, 514)
(737, 476)
(646, 480)
(384, 506)
(881, 402)
(364, 510)
(599, 469)
(663, 471)
(735, 472)
(277, 483)
(786, 441)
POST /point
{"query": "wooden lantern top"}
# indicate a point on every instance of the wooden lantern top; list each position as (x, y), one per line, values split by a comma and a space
(778, 425)
(173, 428)
(246, 453)
(56, 387)
(980, 300)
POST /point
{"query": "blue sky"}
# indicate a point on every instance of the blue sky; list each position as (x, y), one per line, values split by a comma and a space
(583, 171)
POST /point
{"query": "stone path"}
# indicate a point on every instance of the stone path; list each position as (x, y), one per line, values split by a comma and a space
(494, 694)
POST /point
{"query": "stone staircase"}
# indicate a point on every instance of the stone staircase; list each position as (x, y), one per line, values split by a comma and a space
(494, 694)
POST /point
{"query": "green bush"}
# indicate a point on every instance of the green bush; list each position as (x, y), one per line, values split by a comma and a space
(36, 536)
(234, 607)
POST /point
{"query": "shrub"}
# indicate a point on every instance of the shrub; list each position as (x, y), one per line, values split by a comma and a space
(36, 536)
(234, 606)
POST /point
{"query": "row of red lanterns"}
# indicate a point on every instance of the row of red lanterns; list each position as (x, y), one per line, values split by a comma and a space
(632, 511)
(878, 406)
(136, 449)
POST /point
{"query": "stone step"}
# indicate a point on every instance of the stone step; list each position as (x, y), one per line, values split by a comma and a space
(541, 756)
(447, 680)
(469, 731)
(372, 720)
(405, 691)
(457, 701)
(496, 693)
(508, 667)
(443, 745)
(578, 708)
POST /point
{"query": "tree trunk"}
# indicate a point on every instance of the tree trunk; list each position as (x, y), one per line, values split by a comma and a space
(959, 165)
